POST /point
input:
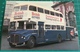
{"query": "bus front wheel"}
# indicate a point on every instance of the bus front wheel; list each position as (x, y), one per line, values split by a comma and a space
(30, 43)
(59, 38)
(11, 45)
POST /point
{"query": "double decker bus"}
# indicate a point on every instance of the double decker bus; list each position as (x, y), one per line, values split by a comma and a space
(32, 24)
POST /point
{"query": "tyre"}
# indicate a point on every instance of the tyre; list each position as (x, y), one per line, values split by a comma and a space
(70, 38)
(59, 38)
(30, 43)
(11, 45)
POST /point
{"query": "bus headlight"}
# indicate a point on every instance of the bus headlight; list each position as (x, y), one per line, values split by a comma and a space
(8, 37)
(23, 37)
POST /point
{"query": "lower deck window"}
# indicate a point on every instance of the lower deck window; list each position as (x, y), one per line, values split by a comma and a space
(53, 26)
(30, 26)
(58, 27)
(62, 27)
(21, 25)
(47, 26)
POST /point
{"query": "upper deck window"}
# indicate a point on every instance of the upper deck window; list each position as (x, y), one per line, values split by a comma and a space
(61, 15)
(57, 14)
(32, 8)
(24, 7)
(52, 13)
(46, 12)
(40, 10)
(16, 8)
(21, 25)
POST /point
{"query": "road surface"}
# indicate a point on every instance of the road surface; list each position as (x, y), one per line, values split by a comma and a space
(65, 45)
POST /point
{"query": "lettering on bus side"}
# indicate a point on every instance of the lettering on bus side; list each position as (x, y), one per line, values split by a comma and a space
(35, 15)
(18, 15)
(52, 18)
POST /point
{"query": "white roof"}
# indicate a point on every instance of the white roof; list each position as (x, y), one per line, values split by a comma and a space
(28, 3)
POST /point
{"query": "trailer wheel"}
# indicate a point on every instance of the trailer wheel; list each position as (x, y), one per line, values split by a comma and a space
(30, 43)
(11, 45)
(59, 38)
(70, 38)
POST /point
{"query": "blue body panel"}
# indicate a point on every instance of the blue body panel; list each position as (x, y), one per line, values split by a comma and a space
(42, 35)
(51, 35)
(26, 33)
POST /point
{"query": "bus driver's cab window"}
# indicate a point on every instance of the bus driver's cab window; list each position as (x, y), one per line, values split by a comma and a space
(12, 25)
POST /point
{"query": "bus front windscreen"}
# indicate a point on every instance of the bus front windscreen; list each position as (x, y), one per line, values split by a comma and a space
(12, 25)
(16, 8)
(20, 8)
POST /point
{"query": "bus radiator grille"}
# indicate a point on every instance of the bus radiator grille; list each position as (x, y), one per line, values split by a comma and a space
(14, 38)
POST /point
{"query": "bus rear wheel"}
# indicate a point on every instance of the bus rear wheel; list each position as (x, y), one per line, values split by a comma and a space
(30, 43)
(11, 45)
(70, 38)
(59, 38)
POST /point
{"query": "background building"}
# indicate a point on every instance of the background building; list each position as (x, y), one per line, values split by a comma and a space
(8, 11)
(67, 8)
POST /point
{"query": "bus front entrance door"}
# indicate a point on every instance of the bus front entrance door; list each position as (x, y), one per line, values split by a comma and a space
(41, 31)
